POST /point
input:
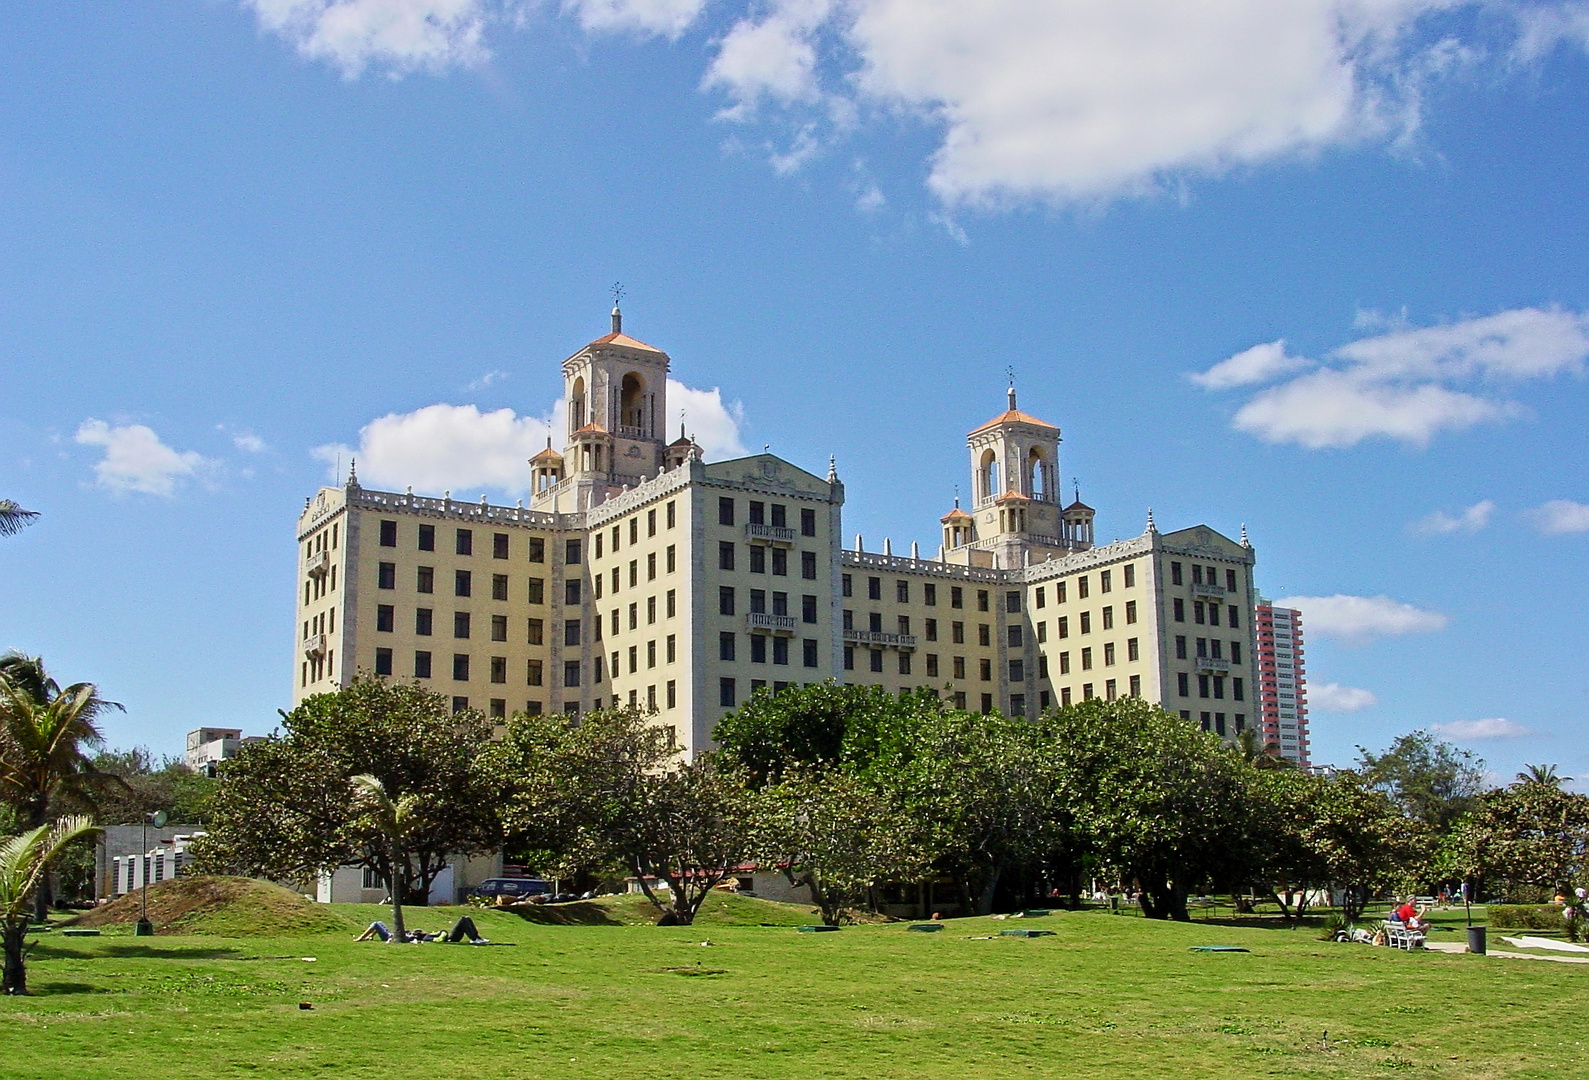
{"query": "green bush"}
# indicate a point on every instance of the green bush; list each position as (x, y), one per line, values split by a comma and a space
(1526, 917)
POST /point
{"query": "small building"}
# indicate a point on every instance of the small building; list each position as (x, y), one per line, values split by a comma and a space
(356, 885)
(208, 747)
(118, 842)
(162, 862)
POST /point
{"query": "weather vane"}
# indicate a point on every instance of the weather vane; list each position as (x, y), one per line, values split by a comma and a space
(1010, 372)
(617, 292)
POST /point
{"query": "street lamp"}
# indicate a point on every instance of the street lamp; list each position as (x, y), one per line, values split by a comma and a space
(158, 819)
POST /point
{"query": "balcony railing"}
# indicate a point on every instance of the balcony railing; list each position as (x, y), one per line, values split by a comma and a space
(314, 645)
(1213, 663)
(778, 624)
(633, 431)
(878, 637)
(319, 563)
(776, 534)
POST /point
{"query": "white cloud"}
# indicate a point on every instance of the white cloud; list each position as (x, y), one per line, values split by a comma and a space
(1333, 697)
(1470, 520)
(1493, 728)
(136, 460)
(399, 35)
(774, 58)
(484, 381)
(1408, 384)
(667, 18)
(1357, 619)
(459, 448)
(1259, 364)
(1561, 516)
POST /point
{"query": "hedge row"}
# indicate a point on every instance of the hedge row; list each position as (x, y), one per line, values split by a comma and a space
(1526, 917)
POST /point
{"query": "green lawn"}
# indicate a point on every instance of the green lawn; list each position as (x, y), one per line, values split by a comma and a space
(1104, 997)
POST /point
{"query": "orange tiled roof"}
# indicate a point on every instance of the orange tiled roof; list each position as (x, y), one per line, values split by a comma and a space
(626, 341)
(1014, 416)
(547, 455)
(955, 515)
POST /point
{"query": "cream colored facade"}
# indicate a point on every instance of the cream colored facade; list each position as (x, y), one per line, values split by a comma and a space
(641, 574)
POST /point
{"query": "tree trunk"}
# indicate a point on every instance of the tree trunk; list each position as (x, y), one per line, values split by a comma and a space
(13, 936)
(399, 884)
(985, 901)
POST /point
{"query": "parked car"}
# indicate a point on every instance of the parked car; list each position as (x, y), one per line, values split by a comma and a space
(518, 888)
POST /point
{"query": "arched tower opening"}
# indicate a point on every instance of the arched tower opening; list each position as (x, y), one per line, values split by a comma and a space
(632, 410)
(988, 476)
(576, 405)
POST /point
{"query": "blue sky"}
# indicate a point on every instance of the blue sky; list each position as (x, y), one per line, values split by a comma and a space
(239, 239)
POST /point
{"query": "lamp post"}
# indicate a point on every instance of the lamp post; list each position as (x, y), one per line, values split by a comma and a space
(158, 819)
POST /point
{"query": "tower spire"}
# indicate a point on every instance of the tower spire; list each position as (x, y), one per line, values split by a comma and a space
(617, 314)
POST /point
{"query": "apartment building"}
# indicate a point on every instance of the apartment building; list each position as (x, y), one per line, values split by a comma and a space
(641, 574)
(1284, 681)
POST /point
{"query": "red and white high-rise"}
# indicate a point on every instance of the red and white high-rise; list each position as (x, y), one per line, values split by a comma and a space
(1283, 695)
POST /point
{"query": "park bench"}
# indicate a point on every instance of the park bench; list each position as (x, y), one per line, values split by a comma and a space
(1397, 936)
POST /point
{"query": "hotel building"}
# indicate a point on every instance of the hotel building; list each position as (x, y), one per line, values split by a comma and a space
(641, 574)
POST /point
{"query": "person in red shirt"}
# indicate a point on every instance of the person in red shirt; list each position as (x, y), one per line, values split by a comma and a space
(1410, 917)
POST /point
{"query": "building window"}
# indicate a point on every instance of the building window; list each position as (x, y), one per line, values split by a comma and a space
(571, 552)
(1064, 663)
(422, 621)
(725, 600)
(757, 513)
(902, 591)
(725, 514)
(1202, 686)
(1180, 610)
(462, 582)
(1108, 618)
(459, 704)
(808, 522)
(1017, 671)
(634, 616)
(386, 576)
(1062, 625)
(725, 554)
(421, 665)
(570, 673)
(537, 594)
(651, 566)
(460, 624)
(571, 592)
(1108, 654)
(957, 633)
(499, 586)
(1175, 574)
(1238, 689)
(1131, 612)
(499, 669)
(1086, 622)
(570, 631)
(982, 600)
(930, 628)
(958, 667)
(808, 652)
(1131, 650)
(758, 648)
(844, 584)
(651, 654)
(985, 669)
(726, 693)
(427, 538)
(499, 628)
(1086, 659)
(987, 704)
(536, 631)
(388, 534)
(904, 663)
(1109, 689)
(1136, 686)
(957, 596)
(849, 658)
(1015, 634)
(385, 615)
(533, 674)
(1231, 617)
(460, 667)
(874, 588)
(877, 659)
(780, 651)
(383, 661)
(808, 609)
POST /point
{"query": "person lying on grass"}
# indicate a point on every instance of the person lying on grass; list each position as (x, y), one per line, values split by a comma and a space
(463, 928)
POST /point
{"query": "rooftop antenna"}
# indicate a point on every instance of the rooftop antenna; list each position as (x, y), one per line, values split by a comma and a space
(1010, 373)
(1077, 485)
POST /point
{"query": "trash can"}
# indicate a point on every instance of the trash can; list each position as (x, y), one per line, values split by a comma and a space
(1476, 939)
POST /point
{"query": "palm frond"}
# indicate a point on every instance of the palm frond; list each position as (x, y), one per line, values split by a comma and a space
(24, 858)
(13, 519)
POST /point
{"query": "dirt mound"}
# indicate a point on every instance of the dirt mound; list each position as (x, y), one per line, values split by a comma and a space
(227, 906)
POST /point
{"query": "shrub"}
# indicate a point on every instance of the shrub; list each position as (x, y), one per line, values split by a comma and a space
(1526, 917)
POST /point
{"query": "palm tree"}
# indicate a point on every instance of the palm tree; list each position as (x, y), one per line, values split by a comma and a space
(43, 733)
(13, 519)
(1543, 775)
(24, 862)
(396, 822)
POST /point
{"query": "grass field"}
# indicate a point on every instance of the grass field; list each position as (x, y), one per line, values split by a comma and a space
(606, 996)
